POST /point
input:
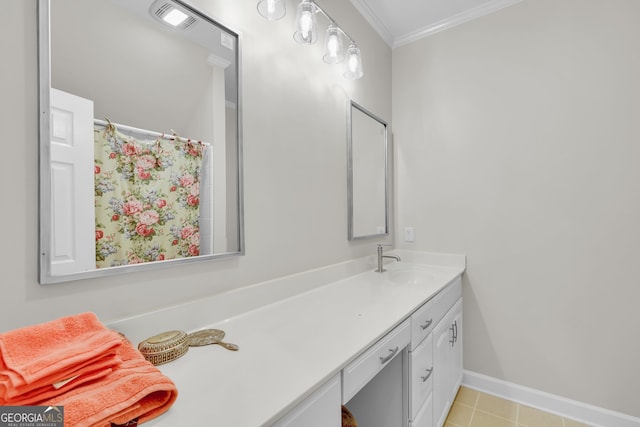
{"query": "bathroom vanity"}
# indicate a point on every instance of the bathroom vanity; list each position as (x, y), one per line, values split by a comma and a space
(415, 369)
(387, 345)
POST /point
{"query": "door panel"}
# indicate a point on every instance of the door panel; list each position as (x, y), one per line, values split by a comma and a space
(72, 185)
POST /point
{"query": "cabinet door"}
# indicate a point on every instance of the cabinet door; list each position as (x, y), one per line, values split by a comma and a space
(321, 409)
(456, 351)
(442, 367)
(447, 362)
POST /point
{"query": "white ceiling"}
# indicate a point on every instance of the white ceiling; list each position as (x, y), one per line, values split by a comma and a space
(403, 21)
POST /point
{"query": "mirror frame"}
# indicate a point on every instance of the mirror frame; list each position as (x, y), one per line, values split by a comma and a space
(45, 199)
(351, 220)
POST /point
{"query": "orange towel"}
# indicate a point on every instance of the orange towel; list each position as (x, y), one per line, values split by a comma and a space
(137, 389)
(35, 360)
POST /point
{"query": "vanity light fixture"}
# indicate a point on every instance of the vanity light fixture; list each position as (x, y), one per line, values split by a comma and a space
(306, 33)
(272, 9)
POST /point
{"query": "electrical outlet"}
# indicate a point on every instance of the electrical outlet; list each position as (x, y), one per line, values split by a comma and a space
(409, 234)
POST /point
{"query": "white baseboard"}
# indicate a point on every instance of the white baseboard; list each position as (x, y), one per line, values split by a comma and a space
(588, 414)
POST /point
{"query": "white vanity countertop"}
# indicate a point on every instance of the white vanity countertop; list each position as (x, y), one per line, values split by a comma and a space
(290, 347)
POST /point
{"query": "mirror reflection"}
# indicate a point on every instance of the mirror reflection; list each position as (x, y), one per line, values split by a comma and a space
(368, 177)
(140, 137)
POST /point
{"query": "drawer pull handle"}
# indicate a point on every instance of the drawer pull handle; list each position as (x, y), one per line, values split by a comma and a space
(426, 325)
(393, 352)
(429, 372)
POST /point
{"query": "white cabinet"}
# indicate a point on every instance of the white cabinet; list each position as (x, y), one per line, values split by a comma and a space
(321, 409)
(435, 357)
(409, 377)
(447, 361)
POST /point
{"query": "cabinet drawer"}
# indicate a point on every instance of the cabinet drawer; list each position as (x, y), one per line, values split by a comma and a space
(446, 298)
(421, 375)
(424, 319)
(360, 371)
(422, 323)
(425, 415)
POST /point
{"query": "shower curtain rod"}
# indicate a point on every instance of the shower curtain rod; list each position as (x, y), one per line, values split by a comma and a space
(143, 131)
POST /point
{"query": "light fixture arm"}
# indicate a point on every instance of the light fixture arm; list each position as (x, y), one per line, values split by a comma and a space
(332, 21)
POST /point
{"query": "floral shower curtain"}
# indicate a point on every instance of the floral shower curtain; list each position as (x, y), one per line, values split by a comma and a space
(147, 197)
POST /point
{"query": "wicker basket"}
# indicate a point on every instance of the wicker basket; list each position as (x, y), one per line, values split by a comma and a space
(348, 419)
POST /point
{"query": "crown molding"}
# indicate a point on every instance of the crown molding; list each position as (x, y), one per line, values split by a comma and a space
(460, 18)
(374, 21)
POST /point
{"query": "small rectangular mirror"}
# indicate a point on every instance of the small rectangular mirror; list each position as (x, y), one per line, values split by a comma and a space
(368, 186)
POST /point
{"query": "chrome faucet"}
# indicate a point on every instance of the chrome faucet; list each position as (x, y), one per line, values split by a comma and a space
(380, 268)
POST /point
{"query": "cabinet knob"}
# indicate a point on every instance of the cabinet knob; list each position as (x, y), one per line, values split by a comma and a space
(393, 352)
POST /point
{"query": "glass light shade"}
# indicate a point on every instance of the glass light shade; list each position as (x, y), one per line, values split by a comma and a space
(353, 63)
(333, 49)
(272, 9)
(306, 32)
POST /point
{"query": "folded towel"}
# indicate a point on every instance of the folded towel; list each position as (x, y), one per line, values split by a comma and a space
(136, 390)
(41, 361)
(30, 395)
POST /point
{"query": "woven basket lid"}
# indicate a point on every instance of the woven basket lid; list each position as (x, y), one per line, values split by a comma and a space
(164, 347)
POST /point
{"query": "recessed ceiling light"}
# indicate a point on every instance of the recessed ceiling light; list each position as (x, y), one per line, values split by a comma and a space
(175, 17)
(172, 14)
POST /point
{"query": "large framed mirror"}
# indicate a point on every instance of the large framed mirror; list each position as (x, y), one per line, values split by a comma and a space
(140, 137)
(368, 175)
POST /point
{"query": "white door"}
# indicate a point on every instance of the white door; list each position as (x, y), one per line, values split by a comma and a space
(72, 184)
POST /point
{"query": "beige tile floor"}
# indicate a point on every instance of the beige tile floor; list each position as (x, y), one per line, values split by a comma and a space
(475, 409)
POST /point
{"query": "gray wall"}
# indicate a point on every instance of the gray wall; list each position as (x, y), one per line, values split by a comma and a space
(517, 143)
(295, 168)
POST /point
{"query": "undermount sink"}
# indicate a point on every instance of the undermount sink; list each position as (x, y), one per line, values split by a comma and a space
(410, 277)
